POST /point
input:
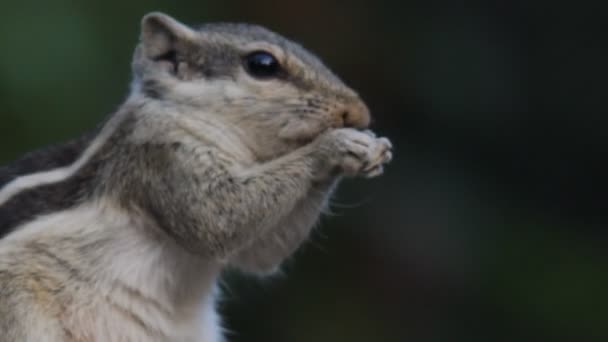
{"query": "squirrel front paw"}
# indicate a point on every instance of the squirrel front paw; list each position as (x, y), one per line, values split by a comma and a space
(356, 153)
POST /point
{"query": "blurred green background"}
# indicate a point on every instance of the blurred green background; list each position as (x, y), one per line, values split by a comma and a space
(490, 225)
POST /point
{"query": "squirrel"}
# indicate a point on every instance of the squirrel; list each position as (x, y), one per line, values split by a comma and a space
(224, 154)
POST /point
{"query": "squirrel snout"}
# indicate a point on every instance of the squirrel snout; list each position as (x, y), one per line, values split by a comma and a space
(355, 115)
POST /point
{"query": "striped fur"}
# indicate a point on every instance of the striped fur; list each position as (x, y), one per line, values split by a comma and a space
(120, 235)
(61, 219)
(39, 199)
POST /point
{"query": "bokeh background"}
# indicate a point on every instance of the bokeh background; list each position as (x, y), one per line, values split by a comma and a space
(490, 225)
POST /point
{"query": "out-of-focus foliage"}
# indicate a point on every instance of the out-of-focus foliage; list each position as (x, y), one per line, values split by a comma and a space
(490, 225)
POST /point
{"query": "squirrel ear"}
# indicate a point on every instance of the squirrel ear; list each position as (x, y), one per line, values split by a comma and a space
(160, 34)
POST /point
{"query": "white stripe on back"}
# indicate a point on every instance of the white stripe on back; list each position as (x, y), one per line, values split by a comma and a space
(57, 175)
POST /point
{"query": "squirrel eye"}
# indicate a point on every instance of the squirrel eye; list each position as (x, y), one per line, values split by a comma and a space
(262, 64)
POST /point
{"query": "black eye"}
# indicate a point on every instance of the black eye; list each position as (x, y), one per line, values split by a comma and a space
(262, 64)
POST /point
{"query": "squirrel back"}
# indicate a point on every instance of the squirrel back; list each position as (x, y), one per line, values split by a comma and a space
(36, 201)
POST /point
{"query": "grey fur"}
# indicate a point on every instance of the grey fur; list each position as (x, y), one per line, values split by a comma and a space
(203, 167)
(44, 199)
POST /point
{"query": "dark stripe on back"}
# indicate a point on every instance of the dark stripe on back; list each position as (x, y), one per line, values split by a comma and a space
(45, 159)
(45, 199)
(41, 200)
(28, 204)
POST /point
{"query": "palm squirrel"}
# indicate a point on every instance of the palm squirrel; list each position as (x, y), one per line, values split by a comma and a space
(223, 155)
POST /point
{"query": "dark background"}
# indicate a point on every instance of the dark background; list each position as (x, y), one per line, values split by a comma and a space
(490, 224)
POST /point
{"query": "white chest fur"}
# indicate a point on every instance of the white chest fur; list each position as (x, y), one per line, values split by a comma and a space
(115, 280)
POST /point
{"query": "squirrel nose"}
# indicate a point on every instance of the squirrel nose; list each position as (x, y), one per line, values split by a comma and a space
(354, 115)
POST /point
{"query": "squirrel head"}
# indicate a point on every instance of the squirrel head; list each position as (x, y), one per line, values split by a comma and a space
(276, 94)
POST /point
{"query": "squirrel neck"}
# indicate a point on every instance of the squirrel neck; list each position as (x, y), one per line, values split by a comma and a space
(200, 125)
